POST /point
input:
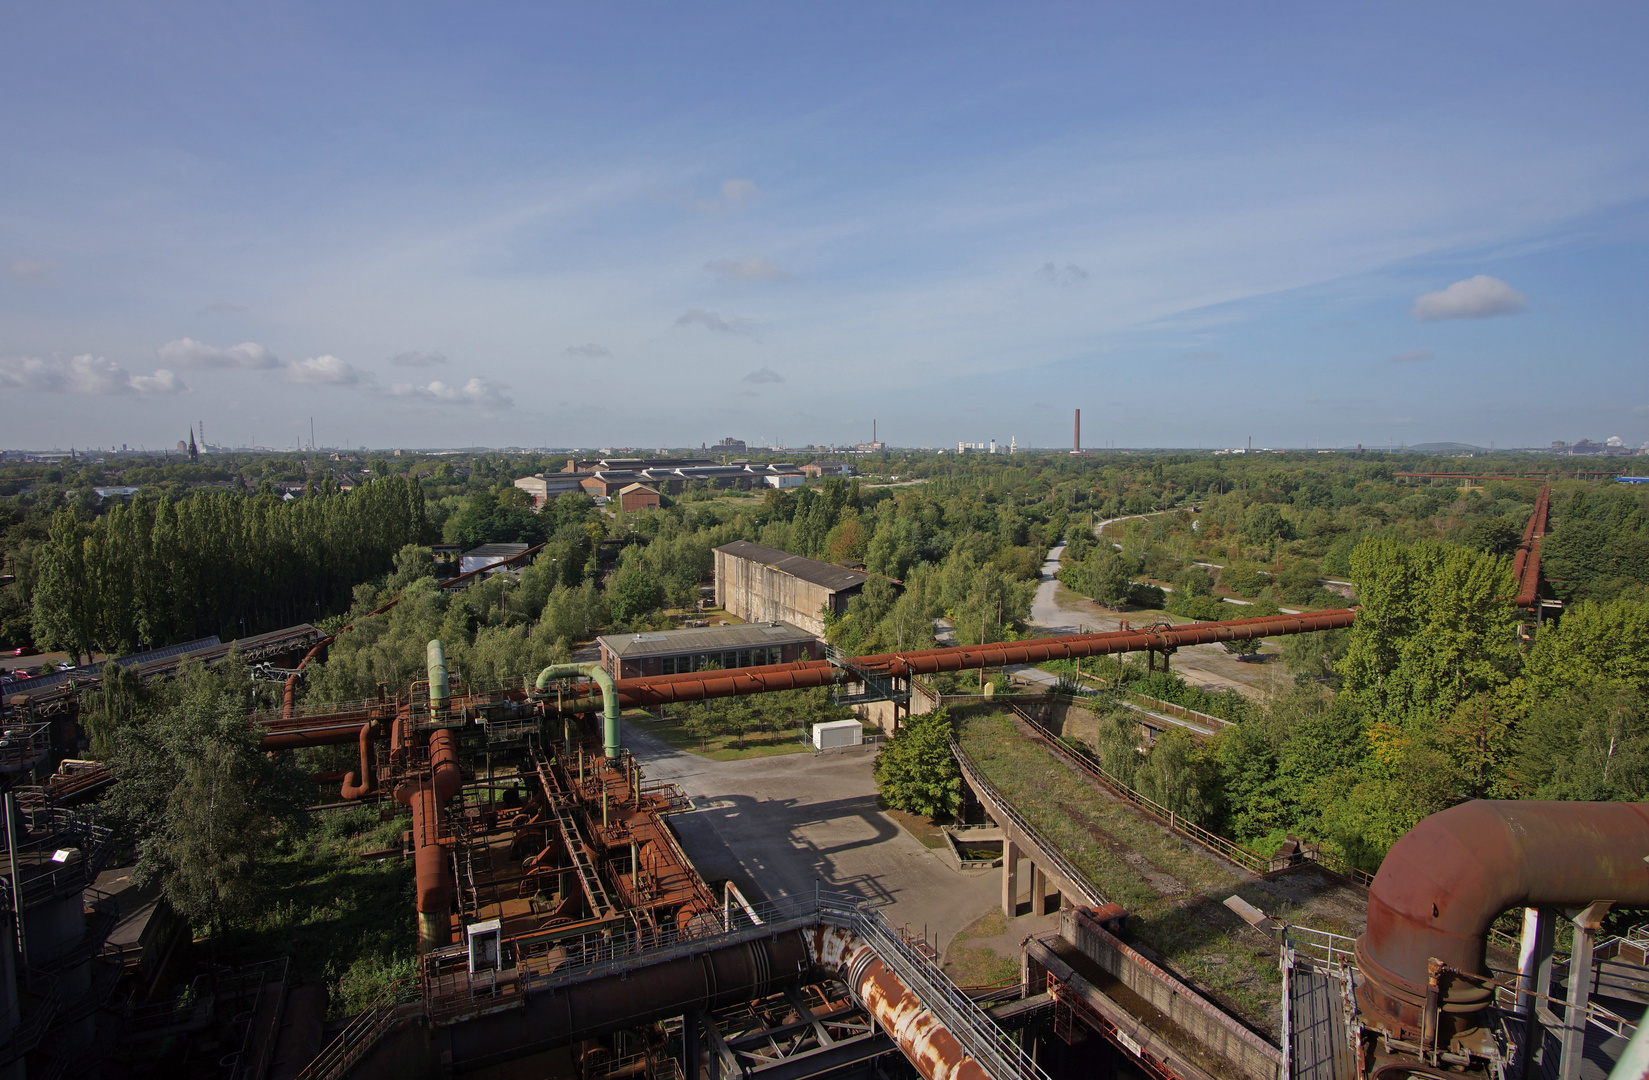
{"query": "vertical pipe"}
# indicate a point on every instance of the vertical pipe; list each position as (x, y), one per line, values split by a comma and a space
(436, 663)
(16, 882)
(1587, 924)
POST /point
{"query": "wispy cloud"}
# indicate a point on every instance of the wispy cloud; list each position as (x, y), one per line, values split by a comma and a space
(478, 392)
(749, 268)
(187, 352)
(764, 375)
(1413, 356)
(1477, 297)
(1067, 275)
(711, 321)
(327, 370)
(733, 194)
(84, 374)
(31, 271)
(418, 358)
(591, 350)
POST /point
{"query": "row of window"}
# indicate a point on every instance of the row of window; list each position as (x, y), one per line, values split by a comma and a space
(681, 665)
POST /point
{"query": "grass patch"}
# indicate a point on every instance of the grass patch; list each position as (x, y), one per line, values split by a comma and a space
(923, 829)
(980, 966)
(346, 922)
(1173, 890)
(731, 747)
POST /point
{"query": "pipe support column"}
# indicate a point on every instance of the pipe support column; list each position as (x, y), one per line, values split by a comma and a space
(1010, 878)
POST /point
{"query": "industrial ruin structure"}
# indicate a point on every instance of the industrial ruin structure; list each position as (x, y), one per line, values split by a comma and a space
(563, 930)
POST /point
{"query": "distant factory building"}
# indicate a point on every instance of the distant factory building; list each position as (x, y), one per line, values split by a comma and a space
(675, 652)
(545, 486)
(786, 480)
(764, 584)
(827, 468)
(488, 555)
(637, 497)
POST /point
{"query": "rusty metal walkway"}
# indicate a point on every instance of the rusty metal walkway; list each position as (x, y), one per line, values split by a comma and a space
(1317, 1042)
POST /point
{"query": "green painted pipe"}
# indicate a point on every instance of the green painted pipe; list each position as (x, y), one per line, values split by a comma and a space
(435, 658)
(609, 697)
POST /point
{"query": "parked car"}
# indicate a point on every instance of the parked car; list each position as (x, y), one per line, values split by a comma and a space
(24, 650)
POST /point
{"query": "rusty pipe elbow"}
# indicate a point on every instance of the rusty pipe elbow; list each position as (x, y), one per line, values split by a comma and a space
(358, 786)
(1445, 882)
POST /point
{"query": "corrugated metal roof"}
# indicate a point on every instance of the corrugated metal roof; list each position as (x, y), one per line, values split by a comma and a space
(833, 577)
(704, 639)
(495, 551)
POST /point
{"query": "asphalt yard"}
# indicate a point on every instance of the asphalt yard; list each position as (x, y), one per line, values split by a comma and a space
(788, 824)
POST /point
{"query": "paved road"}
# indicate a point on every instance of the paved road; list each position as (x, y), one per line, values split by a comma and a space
(1057, 610)
(778, 825)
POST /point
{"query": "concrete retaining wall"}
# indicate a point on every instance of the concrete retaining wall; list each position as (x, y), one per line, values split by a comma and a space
(1201, 1019)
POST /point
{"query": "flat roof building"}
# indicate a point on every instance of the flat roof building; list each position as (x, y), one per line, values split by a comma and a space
(488, 555)
(545, 486)
(674, 652)
(764, 584)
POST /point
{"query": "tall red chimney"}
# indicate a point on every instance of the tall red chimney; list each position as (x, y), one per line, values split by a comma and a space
(1076, 438)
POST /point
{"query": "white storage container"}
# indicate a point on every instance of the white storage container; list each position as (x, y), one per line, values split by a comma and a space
(838, 733)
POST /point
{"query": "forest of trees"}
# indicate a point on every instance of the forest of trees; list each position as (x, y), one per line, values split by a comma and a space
(153, 572)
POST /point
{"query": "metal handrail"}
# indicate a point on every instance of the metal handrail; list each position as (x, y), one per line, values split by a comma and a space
(1076, 877)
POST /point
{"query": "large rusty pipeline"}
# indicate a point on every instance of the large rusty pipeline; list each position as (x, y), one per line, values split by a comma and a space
(697, 686)
(650, 692)
(1445, 881)
(1526, 563)
(922, 1036)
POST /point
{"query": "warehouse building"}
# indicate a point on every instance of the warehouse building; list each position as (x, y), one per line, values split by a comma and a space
(764, 584)
(545, 486)
(675, 652)
(637, 497)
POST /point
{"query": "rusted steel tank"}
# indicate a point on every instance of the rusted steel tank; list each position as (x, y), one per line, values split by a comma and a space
(1445, 882)
(923, 1038)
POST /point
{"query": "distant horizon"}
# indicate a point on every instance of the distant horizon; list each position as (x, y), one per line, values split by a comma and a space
(1309, 225)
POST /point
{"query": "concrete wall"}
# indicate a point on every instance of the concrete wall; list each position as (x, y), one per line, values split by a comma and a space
(1219, 1032)
(756, 592)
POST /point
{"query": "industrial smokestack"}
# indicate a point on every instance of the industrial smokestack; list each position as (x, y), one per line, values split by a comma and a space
(1076, 437)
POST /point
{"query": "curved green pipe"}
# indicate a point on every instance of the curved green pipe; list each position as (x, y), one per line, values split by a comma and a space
(609, 697)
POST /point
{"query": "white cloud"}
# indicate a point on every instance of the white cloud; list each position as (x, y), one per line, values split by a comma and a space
(711, 321)
(326, 370)
(749, 268)
(161, 382)
(480, 392)
(187, 352)
(85, 374)
(418, 358)
(764, 375)
(734, 194)
(591, 350)
(31, 271)
(738, 192)
(1474, 298)
(1413, 356)
(1070, 274)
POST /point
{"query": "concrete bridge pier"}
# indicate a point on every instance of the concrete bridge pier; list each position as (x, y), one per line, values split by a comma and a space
(1011, 854)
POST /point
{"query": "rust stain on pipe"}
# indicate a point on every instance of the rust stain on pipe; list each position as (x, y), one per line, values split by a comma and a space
(922, 1037)
(1448, 878)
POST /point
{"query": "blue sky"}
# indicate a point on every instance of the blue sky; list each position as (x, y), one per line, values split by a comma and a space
(592, 225)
